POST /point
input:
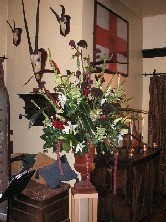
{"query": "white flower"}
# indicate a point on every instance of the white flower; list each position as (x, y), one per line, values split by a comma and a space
(103, 101)
(74, 128)
(70, 128)
(66, 129)
(62, 99)
(117, 120)
(120, 137)
(124, 131)
(108, 91)
(80, 146)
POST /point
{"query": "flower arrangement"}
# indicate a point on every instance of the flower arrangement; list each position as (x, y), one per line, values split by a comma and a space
(85, 114)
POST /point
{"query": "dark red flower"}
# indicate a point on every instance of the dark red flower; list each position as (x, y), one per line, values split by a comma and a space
(72, 44)
(96, 92)
(104, 117)
(78, 74)
(58, 124)
(86, 92)
(83, 44)
(107, 107)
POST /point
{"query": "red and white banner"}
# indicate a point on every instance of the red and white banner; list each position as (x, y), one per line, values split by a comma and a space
(111, 38)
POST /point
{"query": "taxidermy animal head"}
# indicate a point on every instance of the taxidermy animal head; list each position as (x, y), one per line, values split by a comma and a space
(64, 21)
(36, 54)
(16, 34)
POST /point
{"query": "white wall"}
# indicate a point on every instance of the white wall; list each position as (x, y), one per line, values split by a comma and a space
(154, 36)
(154, 32)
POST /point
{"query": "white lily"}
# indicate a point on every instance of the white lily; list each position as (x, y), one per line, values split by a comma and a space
(117, 120)
(103, 101)
(80, 146)
(70, 128)
(62, 98)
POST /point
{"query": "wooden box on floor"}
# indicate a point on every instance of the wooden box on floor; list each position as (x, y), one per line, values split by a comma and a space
(39, 203)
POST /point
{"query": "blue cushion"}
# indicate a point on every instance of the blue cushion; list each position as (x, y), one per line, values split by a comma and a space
(52, 174)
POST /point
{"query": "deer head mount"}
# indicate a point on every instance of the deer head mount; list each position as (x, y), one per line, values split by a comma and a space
(38, 57)
(64, 21)
(16, 34)
(35, 55)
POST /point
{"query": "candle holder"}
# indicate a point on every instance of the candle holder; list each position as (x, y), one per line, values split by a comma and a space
(145, 148)
(155, 145)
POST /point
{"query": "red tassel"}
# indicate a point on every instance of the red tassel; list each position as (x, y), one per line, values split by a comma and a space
(88, 162)
(59, 158)
(115, 173)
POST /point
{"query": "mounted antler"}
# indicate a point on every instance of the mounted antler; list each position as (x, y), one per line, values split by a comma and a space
(35, 55)
(16, 34)
(26, 28)
(38, 57)
(64, 21)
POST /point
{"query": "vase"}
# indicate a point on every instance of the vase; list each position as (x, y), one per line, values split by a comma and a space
(84, 165)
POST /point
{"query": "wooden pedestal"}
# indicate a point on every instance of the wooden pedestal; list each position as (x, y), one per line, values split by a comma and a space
(75, 205)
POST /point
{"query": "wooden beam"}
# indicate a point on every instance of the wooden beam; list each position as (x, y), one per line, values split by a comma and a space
(156, 52)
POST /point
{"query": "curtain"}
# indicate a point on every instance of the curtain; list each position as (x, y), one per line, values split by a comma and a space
(157, 113)
(157, 122)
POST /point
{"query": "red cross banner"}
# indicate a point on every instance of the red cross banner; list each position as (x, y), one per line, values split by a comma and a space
(111, 35)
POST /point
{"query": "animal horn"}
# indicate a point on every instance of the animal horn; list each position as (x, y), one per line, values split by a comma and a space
(37, 29)
(10, 26)
(57, 16)
(26, 28)
(63, 11)
(14, 24)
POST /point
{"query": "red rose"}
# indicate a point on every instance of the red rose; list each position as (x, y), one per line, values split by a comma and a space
(86, 92)
(104, 117)
(58, 124)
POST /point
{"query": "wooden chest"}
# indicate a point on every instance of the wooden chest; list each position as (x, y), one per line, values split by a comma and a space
(39, 203)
